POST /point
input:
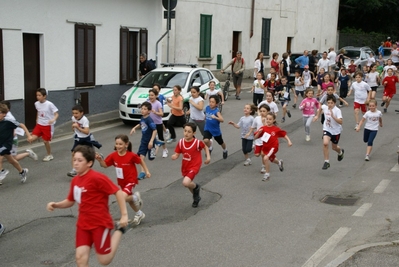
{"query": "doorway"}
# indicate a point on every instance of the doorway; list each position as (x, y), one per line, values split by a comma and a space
(31, 48)
(236, 43)
(128, 56)
(289, 40)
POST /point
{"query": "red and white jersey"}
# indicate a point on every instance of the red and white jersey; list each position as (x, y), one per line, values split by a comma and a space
(125, 167)
(83, 123)
(45, 112)
(191, 152)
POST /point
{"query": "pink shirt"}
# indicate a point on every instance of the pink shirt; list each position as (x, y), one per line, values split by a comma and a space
(309, 106)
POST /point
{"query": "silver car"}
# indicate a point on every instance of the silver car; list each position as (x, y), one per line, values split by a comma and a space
(359, 54)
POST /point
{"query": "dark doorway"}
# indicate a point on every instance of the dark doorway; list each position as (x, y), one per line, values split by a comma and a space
(128, 56)
(236, 41)
(289, 40)
(31, 76)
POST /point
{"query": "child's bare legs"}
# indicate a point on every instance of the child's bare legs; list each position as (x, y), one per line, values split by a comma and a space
(223, 146)
(21, 156)
(13, 162)
(372, 96)
(387, 101)
(187, 182)
(336, 148)
(142, 157)
(285, 110)
(266, 162)
(47, 146)
(129, 199)
(356, 112)
(207, 142)
(368, 150)
(326, 142)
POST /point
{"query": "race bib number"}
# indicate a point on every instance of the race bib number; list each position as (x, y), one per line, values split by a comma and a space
(119, 173)
(265, 137)
(77, 193)
(286, 94)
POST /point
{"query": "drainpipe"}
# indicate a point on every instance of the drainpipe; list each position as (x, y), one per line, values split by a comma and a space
(156, 47)
(251, 31)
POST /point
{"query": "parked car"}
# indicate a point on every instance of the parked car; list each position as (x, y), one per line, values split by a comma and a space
(168, 76)
(358, 54)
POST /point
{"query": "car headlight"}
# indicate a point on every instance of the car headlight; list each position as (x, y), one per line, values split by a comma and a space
(122, 100)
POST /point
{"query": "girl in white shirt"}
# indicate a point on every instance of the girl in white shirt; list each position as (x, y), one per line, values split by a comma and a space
(373, 79)
(258, 65)
(197, 114)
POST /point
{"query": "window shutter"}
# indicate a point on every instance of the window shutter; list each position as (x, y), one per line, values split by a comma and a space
(144, 41)
(265, 43)
(91, 55)
(1, 67)
(85, 55)
(124, 45)
(205, 35)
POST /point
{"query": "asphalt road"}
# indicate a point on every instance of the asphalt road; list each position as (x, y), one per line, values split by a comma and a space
(241, 221)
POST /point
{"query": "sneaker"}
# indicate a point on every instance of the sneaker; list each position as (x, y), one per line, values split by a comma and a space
(166, 134)
(225, 154)
(48, 158)
(247, 162)
(266, 177)
(294, 106)
(139, 202)
(24, 175)
(340, 157)
(385, 110)
(282, 119)
(289, 113)
(211, 146)
(367, 158)
(238, 97)
(152, 156)
(326, 165)
(263, 170)
(196, 196)
(382, 104)
(32, 154)
(3, 174)
(2, 229)
(137, 218)
(357, 125)
(170, 140)
(165, 153)
(141, 176)
(72, 173)
(281, 165)
(307, 138)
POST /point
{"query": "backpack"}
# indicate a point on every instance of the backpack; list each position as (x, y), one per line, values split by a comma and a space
(234, 61)
(151, 64)
(337, 58)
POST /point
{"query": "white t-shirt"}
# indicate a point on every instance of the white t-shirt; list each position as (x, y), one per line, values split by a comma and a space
(361, 91)
(258, 89)
(371, 79)
(307, 77)
(83, 123)
(323, 63)
(386, 68)
(370, 61)
(298, 85)
(395, 55)
(273, 107)
(268, 77)
(372, 120)
(257, 65)
(196, 114)
(330, 125)
(45, 112)
(256, 124)
(331, 57)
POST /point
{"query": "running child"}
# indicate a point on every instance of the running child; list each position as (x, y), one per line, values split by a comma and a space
(389, 83)
(258, 89)
(125, 162)
(213, 91)
(324, 85)
(323, 100)
(269, 134)
(362, 96)
(47, 114)
(191, 148)
(197, 109)
(373, 79)
(343, 83)
(283, 92)
(309, 106)
(271, 84)
(332, 128)
(91, 190)
(149, 131)
(269, 102)
(299, 86)
(245, 123)
(7, 128)
(80, 125)
(258, 122)
(307, 77)
(156, 116)
(352, 68)
(14, 149)
(373, 119)
(161, 98)
(213, 118)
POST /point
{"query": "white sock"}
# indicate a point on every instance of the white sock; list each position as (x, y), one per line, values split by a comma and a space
(135, 198)
(139, 213)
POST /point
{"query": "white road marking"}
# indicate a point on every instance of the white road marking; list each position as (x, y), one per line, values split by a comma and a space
(326, 249)
(395, 168)
(362, 210)
(382, 186)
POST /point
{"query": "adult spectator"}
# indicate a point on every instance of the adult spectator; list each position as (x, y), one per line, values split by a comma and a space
(381, 49)
(303, 60)
(237, 71)
(284, 66)
(145, 66)
(313, 61)
(331, 57)
(274, 62)
(323, 63)
(289, 61)
(395, 55)
(388, 42)
(341, 58)
(258, 65)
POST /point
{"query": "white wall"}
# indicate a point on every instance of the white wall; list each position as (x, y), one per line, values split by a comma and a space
(49, 18)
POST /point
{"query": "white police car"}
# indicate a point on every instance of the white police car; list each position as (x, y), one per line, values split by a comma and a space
(167, 76)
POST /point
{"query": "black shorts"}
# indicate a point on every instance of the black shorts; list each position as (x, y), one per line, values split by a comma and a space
(218, 139)
(374, 88)
(5, 150)
(333, 138)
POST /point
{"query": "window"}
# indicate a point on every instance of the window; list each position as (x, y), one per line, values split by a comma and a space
(205, 36)
(1, 67)
(85, 55)
(265, 43)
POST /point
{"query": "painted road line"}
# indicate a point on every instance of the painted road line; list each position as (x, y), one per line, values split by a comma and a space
(382, 186)
(362, 210)
(326, 249)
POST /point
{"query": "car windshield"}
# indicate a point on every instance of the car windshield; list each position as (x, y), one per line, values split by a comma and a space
(352, 53)
(164, 79)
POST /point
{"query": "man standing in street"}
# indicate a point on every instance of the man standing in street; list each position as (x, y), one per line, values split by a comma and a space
(145, 66)
(237, 72)
(331, 57)
(303, 60)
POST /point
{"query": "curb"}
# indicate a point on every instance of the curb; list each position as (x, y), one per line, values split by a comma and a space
(350, 252)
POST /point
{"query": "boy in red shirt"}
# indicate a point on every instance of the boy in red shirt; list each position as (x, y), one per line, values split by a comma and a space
(91, 189)
(389, 83)
(191, 148)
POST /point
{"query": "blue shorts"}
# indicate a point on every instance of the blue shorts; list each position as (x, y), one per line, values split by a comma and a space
(143, 150)
(285, 102)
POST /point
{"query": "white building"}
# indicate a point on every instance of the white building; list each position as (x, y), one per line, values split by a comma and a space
(79, 50)
(202, 30)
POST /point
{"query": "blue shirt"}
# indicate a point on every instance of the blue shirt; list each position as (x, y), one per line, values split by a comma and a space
(212, 125)
(147, 127)
(302, 61)
(343, 81)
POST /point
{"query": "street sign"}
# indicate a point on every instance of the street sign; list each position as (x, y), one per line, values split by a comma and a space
(172, 14)
(173, 4)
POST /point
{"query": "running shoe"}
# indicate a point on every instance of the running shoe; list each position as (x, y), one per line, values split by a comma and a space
(32, 154)
(3, 174)
(340, 157)
(165, 153)
(2, 229)
(247, 162)
(294, 106)
(263, 170)
(138, 203)
(307, 138)
(225, 154)
(141, 176)
(289, 113)
(137, 218)
(266, 177)
(367, 158)
(48, 158)
(24, 175)
(326, 165)
(281, 165)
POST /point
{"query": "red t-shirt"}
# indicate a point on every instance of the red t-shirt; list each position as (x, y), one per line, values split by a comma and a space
(391, 85)
(271, 85)
(275, 65)
(91, 192)
(191, 152)
(125, 167)
(352, 68)
(274, 132)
